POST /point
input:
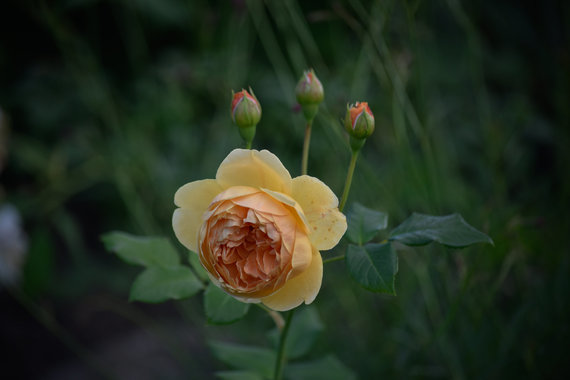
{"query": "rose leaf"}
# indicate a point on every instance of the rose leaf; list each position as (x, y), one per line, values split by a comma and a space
(373, 266)
(158, 284)
(140, 250)
(255, 359)
(329, 368)
(221, 308)
(364, 223)
(450, 230)
(303, 332)
(195, 263)
(238, 375)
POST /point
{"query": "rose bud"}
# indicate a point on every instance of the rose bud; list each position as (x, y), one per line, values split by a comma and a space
(359, 120)
(257, 231)
(309, 94)
(245, 113)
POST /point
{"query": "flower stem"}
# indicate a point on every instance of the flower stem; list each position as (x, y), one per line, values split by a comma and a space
(248, 145)
(306, 144)
(281, 359)
(348, 181)
(277, 318)
(333, 259)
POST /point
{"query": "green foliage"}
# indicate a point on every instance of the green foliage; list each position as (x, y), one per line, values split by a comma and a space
(257, 362)
(373, 266)
(329, 368)
(196, 265)
(140, 250)
(221, 308)
(451, 230)
(238, 375)
(158, 284)
(254, 359)
(364, 223)
(303, 332)
(164, 277)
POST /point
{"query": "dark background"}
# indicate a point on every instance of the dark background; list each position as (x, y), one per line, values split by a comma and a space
(110, 106)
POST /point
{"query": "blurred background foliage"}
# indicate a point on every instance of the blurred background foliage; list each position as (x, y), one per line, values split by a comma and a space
(109, 106)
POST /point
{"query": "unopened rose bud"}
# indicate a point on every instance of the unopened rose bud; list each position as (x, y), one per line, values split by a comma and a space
(309, 94)
(246, 113)
(246, 110)
(359, 123)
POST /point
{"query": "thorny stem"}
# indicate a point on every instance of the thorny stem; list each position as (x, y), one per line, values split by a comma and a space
(281, 359)
(348, 181)
(306, 144)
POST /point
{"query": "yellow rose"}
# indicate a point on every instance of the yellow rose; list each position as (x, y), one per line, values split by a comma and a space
(257, 231)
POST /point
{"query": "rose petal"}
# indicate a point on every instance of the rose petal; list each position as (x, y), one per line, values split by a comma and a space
(186, 225)
(194, 198)
(304, 287)
(293, 205)
(253, 168)
(235, 192)
(326, 223)
(302, 253)
(261, 202)
(197, 194)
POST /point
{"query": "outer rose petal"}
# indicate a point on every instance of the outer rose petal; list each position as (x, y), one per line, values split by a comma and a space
(304, 287)
(185, 225)
(194, 199)
(320, 205)
(302, 253)
(244, 167)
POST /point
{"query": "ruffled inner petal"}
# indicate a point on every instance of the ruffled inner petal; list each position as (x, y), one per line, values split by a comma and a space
(249, 242)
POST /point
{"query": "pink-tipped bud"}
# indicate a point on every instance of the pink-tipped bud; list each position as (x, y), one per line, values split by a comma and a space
(309, 89)
(245, 110)
(309, 94)
(359, 120)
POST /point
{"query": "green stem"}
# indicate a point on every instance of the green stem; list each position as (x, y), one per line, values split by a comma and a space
(348, 181)
(306, 147)
(281, 358)
(277, 318)
(248, 145)
(333, 259)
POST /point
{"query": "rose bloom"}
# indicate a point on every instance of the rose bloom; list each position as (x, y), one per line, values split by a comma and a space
(257, 231)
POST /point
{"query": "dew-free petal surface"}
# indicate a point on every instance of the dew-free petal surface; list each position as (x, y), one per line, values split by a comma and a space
(186, 224)
(254, 168)
(197, 195)
(193, 200)
(303, 288)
